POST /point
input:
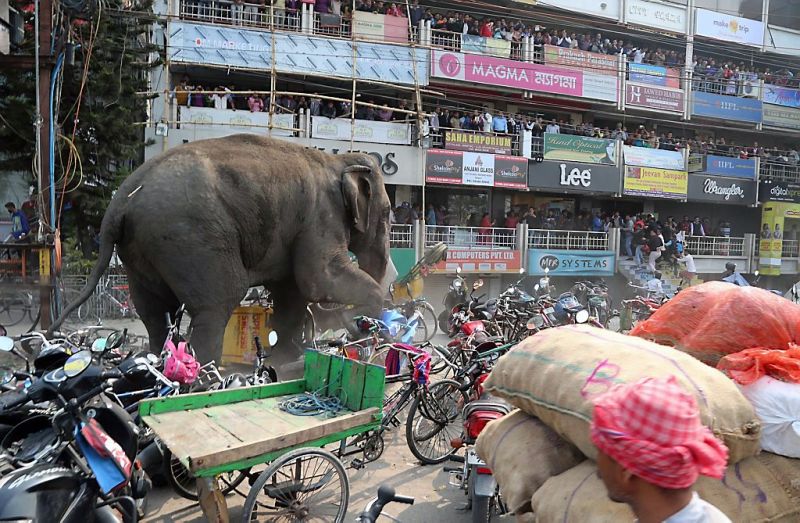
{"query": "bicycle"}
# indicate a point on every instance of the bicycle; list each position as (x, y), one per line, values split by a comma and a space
(112, 301)
(15, 306)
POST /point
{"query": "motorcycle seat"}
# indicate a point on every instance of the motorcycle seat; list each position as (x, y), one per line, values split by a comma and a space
(491, 404)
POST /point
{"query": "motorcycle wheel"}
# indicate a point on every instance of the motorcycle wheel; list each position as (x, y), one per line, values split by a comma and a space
(481, 509)
(442, 321)
(183, 482)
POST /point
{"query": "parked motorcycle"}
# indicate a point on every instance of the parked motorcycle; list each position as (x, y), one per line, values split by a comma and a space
(594, 296)
(457, 294)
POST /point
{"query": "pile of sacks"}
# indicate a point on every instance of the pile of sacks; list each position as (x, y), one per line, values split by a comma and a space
(541, 454)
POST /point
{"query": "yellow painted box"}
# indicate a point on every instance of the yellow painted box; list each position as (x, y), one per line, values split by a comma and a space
(238, 345)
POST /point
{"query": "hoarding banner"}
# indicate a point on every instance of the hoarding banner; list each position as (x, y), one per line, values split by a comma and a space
(482, 45)
(571, 263)
(573, 177)
(655, 183)
(784, 96)
(655, 98)
(732, 167)
(537, 78)
(726, 107)
(383, 28)
(697, 162)
(729, 28)
(656, 15)
(732, 191)
(770, 244)
(657, 158)
(235, 121)
(478, 169)
(594, 62)
(655, 75)
(370, 131)
(477, 142)
(480, 260)
(580, 149)
(779, 192)
(783, 117)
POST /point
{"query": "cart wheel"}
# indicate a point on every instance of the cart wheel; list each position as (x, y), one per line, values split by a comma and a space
(184, 483)
(302, 485)
(434, 419)
(373, 448)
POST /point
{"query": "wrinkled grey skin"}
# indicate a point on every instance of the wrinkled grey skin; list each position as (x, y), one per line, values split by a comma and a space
(202, 222)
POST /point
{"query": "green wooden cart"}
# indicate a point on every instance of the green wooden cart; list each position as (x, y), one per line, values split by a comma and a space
(218, 432)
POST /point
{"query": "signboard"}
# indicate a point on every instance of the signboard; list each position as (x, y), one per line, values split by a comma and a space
(733, 191)
(728, 166)
(477, 142)
(781, 96)
(230, 122)
(779, 192)
(669, 77)
(371, 131)
(573, 177)
(595, 62)
(479, 169)
(480, 260)
(656, 98)
(383, 28)
(783, 117)
(658, 158)
(729, 28)
(670, 18)
(571, 263)
(587, 7)
(481, 45)
(770, 244)
(580, 149)
(655, 183)
(726, 107)
(500, 72)
(296, 53)
(696, 163)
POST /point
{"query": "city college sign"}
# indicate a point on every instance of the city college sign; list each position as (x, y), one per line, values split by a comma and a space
(573, 177)
(721, 190)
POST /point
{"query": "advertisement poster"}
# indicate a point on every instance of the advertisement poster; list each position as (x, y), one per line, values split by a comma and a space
(731, 191)
(571, 263)
(370, 131)
(480, 260)
(780, 116)
(580, 149)
(729, 166)
(779, 192)
(382, 28)
(655, 183)
(784, 96)
(726, 107)
(655, 75)
(477, 142)
(574, 177)
(656, 15)
(491, 46)
(656, 158)
(729, 28)
(770, 246)
(478, 169)
(656, 98)
(595, 62)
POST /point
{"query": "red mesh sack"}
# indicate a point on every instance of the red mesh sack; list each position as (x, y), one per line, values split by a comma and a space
(750, 365)
(714, 319)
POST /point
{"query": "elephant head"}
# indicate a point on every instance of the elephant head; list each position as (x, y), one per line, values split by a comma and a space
(367, 206)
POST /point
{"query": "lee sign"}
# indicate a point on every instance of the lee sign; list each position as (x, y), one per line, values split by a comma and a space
(573, 177)
(571, 263)
(480, 260)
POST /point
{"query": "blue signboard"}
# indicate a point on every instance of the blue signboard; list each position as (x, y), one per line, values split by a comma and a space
(654, 75)
(781, 96)
(295, 53)
(727, 166)
(726, 107)
(571, 263)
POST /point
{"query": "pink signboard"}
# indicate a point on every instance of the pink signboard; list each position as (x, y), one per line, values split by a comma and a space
(489, 70)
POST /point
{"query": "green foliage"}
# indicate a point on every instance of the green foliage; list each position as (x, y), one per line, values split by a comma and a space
(74, 262)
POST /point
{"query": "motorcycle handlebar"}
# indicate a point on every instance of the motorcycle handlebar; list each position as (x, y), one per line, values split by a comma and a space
(386, 494)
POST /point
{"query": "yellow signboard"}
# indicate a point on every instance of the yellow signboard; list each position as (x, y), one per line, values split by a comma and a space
(770, 243)
(655, 183)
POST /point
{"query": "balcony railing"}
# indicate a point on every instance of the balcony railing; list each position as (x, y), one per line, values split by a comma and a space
(332, 26)
(779, 171)
(248, 14)
(567, 240)
(742, 87)
(471, 237)
(401, 235)
(718, 246)
(790, 249)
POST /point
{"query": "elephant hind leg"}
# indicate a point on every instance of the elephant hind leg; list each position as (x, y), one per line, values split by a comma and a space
(153, 307)
(208, 330)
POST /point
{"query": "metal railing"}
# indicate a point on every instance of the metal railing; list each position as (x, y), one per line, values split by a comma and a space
(779, 171)
(790, 249)
(744, 87)
(401, 235)
(568, 240)
(342, 29)
(246, 14)
(446, 40)
(720, 246)
(437, 137)
(474, 237)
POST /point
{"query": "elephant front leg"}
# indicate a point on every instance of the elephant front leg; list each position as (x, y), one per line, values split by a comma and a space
(289, 321)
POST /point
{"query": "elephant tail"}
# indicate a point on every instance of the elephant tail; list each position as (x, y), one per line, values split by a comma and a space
(110, 232)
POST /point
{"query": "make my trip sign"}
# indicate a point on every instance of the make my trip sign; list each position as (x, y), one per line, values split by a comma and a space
(477, 169)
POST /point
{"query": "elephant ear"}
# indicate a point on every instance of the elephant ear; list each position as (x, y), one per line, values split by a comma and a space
(356, 192)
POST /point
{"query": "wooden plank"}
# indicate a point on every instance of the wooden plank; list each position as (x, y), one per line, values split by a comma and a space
(316, 372)
(302, 436)
(236, 421)
(187, 433)
(199, 400)
(353, 384)
(335, 380)
(374, 383)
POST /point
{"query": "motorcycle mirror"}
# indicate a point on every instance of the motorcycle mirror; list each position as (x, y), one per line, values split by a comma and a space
(458, 270)
(6, 375)
(151, 358)
(582, 316)
(6, 344)
(115, 340)
(536, 287)
(272, 338)
(100, 345)
(477, 285)
(77, 363)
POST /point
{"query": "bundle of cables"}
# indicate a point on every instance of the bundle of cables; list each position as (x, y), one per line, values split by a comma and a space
(312, 404)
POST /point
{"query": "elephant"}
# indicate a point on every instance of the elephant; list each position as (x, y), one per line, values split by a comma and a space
(201, 223)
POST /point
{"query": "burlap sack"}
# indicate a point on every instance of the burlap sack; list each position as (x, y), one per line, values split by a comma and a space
(554, 374)
(760, 489)
(523, 453)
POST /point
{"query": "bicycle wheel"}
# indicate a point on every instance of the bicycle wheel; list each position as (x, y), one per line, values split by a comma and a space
(183, 482)
(429, 315)
(434, 420)
(13, 309)
(440, 362)
(303, 485)
(421, 332)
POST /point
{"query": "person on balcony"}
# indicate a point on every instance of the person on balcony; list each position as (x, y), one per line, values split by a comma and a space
(696, 228)
(322, 6)
(486, 120)
(279, 13)
(292, 14)
(553, 127)
(627, 236)
(430, 217)
(500, 124)
(417, 12)
(395, 11)
(255, 103)
(237, 11)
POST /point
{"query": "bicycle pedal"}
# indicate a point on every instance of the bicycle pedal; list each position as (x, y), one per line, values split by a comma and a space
(455, 479)
(357, 464)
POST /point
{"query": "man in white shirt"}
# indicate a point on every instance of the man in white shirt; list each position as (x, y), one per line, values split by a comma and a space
(654, 286)
(486, 120)
(553, 127)
(687, 259)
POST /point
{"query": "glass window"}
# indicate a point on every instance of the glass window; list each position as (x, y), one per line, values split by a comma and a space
(785, 13)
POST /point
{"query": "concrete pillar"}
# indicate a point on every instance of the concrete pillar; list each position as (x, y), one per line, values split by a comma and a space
(749, 252)
(522, 244)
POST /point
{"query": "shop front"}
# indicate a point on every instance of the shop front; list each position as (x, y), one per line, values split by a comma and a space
(780, 220)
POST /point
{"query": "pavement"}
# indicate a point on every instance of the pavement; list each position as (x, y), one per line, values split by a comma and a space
(435, 499)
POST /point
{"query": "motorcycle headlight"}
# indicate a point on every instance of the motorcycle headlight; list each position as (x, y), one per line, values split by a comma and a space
(457, 284)
(582, 316)
(544, 283)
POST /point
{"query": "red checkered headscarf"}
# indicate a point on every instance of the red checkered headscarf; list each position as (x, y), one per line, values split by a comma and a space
(652, 428)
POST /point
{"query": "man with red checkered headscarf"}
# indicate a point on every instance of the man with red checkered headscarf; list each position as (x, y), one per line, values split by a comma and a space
(652, 447)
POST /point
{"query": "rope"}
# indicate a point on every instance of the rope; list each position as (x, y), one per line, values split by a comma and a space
(312, 404)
